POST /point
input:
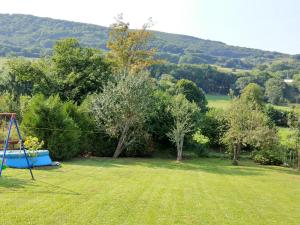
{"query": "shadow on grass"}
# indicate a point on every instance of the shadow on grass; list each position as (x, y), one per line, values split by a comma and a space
(208, 165)
(58, 189)
(15, 184)
(280, 169)
(11, 182)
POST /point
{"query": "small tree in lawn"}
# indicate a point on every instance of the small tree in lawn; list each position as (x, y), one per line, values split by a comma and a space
(247, 126)
(124, 107)
(183, 113)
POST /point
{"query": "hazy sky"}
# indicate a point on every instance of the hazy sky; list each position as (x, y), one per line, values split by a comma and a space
(264, 24)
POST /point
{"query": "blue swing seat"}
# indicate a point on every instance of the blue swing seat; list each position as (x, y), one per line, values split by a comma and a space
(16, 159)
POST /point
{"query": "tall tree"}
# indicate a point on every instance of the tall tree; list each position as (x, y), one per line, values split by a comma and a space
(129, 49)
(253, 95)
(78, 71)
(274, 90)
(183, 113)
(124, 107)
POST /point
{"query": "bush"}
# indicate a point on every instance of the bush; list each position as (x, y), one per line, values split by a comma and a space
(278, 117)
(92, 139)
(268, 157)
(213, 125)
(48, 120)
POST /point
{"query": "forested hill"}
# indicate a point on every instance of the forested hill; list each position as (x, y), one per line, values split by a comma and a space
(31, 36)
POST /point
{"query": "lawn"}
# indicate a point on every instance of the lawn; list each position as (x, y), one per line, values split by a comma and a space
(151, 191)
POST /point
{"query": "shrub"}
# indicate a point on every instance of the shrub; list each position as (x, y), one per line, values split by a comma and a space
(92, 139)
(278, 117)
(268, 157)
(213, 125)
(48, 120)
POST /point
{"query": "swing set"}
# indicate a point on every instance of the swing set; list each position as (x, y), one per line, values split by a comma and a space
(7, 121)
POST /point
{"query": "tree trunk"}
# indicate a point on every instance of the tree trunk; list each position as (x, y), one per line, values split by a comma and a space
(121, 141)
(299, 160)
(236, 150)
(179, 149)
(119, 149)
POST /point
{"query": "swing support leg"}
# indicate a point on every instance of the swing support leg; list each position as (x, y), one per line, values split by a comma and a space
(13, 121)
(23, 147)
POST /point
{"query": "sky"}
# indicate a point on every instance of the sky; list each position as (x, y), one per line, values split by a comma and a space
(263, 24)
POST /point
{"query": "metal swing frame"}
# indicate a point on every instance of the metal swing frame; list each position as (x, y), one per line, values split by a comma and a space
(13, 121)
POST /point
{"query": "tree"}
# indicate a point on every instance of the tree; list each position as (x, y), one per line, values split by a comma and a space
(129, 49)
(78, 71)
(167, 83)
(183, 113)
(247, 126)
(25, 77)
(192, 93)
(274, 90)
(124, 107)
(252, 94)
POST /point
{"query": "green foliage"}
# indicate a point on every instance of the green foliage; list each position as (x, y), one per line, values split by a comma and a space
(200, 144)
(123, 108)
(206, 77)
(253, 95)
(160, 122)
(281, 155)
(48, 120)
(277, 116)
(129, 49)
(248, 126)
(274, 91)
(183, 113)
(8, 103)
(268, 157)
(192, 93)
(213, 125)
(92, 140)
(78, 71)
(73, 71)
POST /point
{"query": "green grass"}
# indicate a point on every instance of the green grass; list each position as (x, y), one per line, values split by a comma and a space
(151, 191)
(229, 70)
(223, 102)
(218, 101)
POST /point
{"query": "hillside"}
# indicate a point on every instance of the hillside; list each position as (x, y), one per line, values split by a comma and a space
(31, 36)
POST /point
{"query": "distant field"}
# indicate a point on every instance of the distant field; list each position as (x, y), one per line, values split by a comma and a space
(223, 102)
(218, 101)
(229, 70)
